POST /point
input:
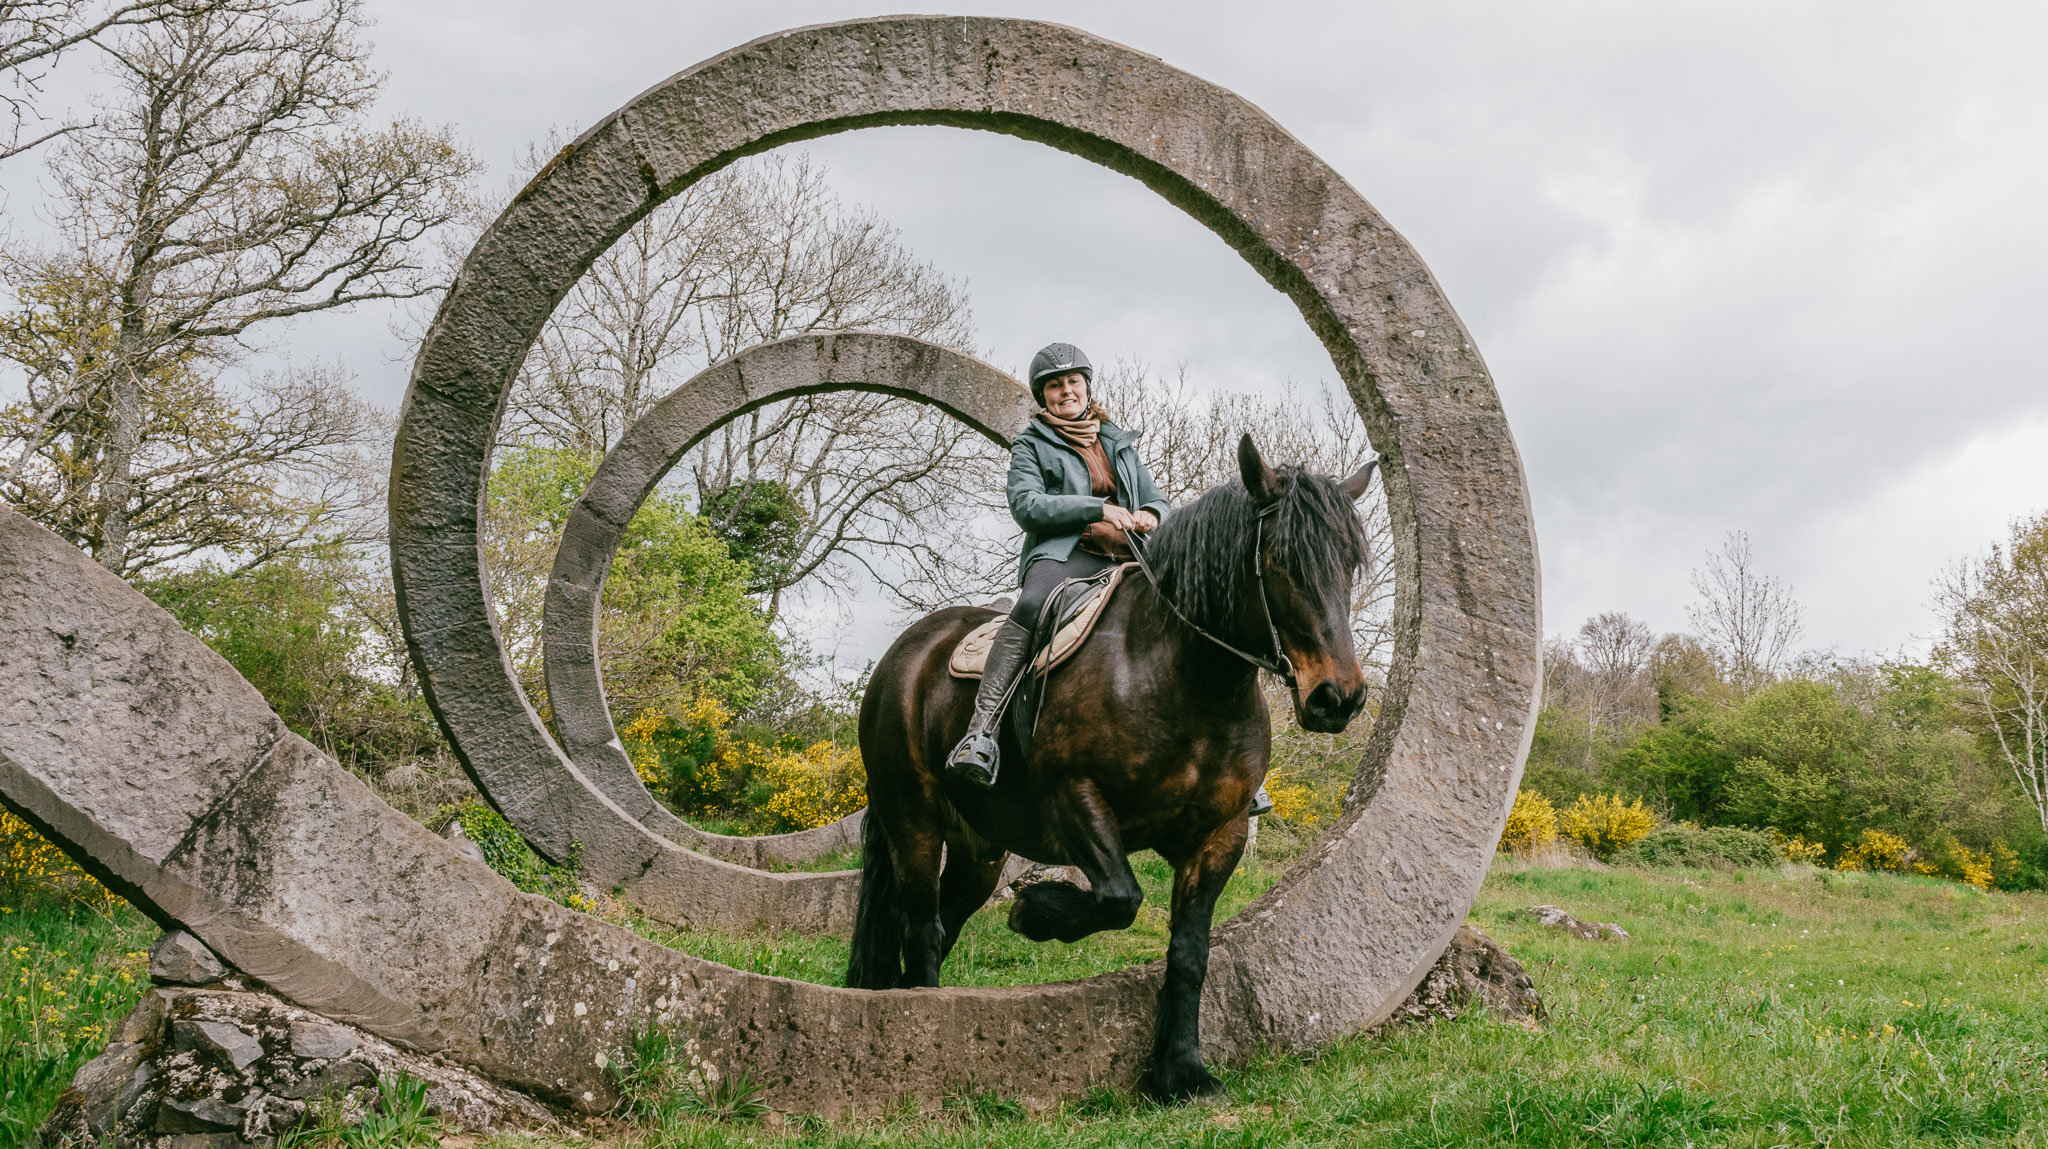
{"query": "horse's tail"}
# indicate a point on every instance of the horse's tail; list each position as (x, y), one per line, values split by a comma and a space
(877, 958)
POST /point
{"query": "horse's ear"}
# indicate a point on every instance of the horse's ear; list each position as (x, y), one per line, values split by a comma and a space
(1354, 487)
(1259, 480)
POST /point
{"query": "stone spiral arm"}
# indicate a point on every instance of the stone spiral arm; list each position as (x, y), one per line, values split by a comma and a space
(986, 399)
(145, 756)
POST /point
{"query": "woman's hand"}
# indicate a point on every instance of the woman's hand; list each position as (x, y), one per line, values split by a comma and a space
(1121, 519)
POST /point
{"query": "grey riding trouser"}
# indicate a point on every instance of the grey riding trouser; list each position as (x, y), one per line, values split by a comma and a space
(1044, 574)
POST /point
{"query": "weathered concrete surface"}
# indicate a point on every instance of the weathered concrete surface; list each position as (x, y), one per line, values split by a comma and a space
(979, 395)
(232, 1064)
(1352, 928)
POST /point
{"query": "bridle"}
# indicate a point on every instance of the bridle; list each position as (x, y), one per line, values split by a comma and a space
(1279, 663)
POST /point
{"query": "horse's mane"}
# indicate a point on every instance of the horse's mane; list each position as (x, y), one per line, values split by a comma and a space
(1202, 553)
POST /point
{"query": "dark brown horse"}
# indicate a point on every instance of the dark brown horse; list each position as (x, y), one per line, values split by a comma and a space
(1154, 736)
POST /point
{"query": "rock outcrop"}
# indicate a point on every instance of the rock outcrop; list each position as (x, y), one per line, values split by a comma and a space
(226, 1067)
(1559, 919)
(1473, 971)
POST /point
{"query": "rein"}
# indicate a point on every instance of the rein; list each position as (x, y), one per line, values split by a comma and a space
(1278, 664)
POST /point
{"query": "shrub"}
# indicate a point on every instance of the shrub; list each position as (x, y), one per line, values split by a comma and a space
(1798, 849)
(507, 853)
(1879, 850)
(1299, 802)
(1952, 860)
(1717, 848)
(1531, 824)
(819, 784)
(1604, 824)
(681, 758)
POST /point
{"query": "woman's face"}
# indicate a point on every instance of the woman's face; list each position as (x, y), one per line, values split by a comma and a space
(1067, 395)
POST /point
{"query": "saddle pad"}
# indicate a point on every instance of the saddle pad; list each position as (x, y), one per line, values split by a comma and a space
(972, 652)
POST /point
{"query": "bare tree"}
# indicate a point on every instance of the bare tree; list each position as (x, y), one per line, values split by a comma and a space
(1190, 444)
(1996, 645)
(1750, 619)
(228, 182)
(34, 33)
(832, 489)
(1616, 651)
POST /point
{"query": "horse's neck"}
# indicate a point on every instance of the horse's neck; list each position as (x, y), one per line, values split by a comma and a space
(1172, 642)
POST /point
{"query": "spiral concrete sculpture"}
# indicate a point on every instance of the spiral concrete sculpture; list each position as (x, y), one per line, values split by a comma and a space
(147, 758)
(987, 400)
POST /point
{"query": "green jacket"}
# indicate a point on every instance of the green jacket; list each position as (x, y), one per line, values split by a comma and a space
(1049, 492)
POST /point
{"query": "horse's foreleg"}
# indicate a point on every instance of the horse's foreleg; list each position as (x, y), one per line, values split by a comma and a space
(968, 881)
(1086, 831)
(1198, 880)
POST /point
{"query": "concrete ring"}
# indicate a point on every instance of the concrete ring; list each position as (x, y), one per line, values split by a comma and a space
(987, 400)
(1350, 929)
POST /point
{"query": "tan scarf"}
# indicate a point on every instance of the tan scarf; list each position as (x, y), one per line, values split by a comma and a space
(1080, 432)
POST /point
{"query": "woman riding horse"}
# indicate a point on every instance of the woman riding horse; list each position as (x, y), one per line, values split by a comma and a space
(1076, 487)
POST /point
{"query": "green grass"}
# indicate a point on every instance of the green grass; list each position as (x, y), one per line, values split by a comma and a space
(71, 972)
(848, 859)
(1751, 1009)
(988, 953)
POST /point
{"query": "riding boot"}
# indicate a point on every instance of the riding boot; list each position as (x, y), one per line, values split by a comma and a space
(974, 760)
(1262, 803)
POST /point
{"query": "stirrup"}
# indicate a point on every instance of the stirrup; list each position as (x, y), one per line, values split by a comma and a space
(974, 761)
(1262, 803)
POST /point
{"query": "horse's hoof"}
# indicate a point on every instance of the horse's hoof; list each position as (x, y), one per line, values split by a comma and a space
(1187, 1084)
(1020, 919)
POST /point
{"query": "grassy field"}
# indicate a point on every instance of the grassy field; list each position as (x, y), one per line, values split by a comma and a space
(1750, 1009)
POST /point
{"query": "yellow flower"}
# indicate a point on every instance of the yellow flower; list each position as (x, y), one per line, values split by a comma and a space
(1532, 822)
(1604, 825)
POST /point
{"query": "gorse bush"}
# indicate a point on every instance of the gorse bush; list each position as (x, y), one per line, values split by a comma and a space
(1298, 802)
(680, 758)
(1881, 851)
(701, 766)
(819, 784)
(1604, 824)
(1531, 824)
(1798, 849)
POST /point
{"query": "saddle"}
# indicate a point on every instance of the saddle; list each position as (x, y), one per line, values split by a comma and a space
(1076, 623)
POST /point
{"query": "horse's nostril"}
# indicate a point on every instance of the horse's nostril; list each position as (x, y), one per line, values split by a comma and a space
(1325, 698)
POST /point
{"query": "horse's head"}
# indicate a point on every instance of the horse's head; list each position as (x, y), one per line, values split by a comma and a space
(1312, 547)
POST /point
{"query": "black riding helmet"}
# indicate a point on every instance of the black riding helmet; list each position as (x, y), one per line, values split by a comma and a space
(1057, 359)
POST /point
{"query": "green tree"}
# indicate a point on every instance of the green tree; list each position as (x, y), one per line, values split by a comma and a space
(290, 629)
(677, 620)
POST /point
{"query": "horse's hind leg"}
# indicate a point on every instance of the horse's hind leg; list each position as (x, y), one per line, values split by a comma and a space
(918, 851)
(1086, 831)
(1198, 880)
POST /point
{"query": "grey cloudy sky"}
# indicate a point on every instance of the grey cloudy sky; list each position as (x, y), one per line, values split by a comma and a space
(1769, 267)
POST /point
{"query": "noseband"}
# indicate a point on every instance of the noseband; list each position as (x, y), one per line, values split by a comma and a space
(1279, 663)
